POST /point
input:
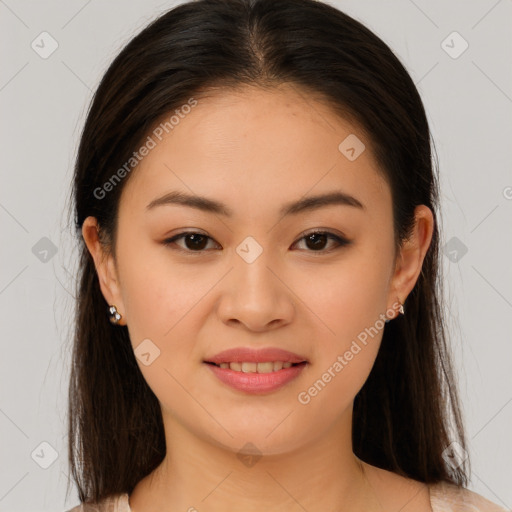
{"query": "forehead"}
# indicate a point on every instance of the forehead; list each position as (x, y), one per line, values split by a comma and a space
(250, 148)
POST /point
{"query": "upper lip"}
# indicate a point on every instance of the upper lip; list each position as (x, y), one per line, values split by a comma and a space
(251, 355)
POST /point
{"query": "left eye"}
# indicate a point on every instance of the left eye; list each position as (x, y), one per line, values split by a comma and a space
(316, 240)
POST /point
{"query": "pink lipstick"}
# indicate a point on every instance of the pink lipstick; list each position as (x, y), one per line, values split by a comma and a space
(256, 370)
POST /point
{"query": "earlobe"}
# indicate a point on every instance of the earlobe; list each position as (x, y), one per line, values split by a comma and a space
(104, 264)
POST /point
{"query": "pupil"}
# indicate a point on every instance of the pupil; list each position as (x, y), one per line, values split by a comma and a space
(196, 240)
(318, 240)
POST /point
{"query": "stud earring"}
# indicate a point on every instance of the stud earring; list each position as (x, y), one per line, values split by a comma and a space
(114, 315)
(400, 312)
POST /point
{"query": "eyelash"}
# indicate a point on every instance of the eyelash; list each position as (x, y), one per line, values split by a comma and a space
(342, 242)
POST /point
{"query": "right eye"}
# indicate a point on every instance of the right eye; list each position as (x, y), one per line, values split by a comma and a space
(194, 241)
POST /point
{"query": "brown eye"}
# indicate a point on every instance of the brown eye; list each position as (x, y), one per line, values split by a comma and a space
(195, 241)
(192, 241)
(317, 241)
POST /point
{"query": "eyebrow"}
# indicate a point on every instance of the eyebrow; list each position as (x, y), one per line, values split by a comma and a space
(293, 208)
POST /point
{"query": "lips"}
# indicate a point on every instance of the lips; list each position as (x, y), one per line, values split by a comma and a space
(262, 355)
(248, 370)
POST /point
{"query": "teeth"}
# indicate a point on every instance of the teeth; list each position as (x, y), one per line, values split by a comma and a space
(266, 367)
(249, 367)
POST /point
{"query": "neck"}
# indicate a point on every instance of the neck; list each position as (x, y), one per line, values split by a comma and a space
(199, 475)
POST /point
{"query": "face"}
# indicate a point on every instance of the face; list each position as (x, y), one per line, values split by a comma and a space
(254, 276)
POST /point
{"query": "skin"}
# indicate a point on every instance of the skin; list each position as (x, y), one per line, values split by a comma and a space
(255, 150)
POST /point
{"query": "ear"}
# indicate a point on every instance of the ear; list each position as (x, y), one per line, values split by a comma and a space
(412, 253)
(105, 266)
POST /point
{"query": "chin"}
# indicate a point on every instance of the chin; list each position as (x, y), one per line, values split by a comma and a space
(261, 438)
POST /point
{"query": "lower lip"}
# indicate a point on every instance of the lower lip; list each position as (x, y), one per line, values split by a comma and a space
(256, 382)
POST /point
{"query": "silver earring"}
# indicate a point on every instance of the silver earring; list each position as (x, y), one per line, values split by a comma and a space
(400, 311)
(114, 315)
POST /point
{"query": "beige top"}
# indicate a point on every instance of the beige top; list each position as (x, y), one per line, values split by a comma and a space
(444, 497)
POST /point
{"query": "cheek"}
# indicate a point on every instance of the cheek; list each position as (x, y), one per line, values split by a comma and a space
(156, 293)
(343, 300)
(347, 302)
(162, 306)
(345, 353)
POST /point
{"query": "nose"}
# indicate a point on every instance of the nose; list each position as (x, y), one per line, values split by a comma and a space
(256, 296)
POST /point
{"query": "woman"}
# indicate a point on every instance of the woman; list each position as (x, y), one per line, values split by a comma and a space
(259, 321)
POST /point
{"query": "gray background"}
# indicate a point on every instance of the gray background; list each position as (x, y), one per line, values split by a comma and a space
(43, 104)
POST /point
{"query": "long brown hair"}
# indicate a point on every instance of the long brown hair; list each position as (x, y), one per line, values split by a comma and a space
(408, 410)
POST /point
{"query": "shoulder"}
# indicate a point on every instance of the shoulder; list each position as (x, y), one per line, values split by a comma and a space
(447, 497)
(114, 503)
